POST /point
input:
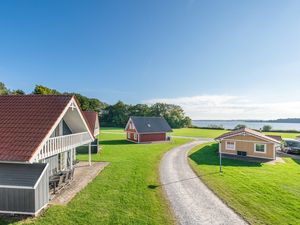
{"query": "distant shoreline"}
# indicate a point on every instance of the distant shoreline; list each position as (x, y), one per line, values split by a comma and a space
(290, 125)
(296, 120)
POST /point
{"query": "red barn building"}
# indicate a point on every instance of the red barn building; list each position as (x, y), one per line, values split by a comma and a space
(147, 129)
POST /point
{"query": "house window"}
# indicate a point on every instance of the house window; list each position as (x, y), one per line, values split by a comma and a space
(128, 135)
(230, 145)
(260, 148)
(135, 136)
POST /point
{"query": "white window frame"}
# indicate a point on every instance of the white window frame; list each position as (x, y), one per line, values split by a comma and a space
(135, 136)
(128, 135)
(265, 148)
(230, 149)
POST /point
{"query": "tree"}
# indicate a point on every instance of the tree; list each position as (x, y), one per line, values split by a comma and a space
(267, 128)
(117, 115)
(42, 90)
(3, 89)
(174, 114)
(18, 92)
(96, 105)
(240, 126)
(139, 110)
(88, 104)
(187, 122)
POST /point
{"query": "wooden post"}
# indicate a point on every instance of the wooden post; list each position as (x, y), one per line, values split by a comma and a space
(71, 158)
(90, 155)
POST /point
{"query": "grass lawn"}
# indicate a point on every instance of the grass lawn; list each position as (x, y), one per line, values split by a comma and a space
(112, 129)
(284, 135)
(196, 132)
(261, 193)
(210, 133)
(124, 193)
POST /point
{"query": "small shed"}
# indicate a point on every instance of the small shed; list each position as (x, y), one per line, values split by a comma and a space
(147, 129)
(24, 188)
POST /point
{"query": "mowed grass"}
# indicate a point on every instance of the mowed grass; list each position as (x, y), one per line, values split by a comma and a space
(211, 133)
(196, 132)
(261, 193)
(126, 192)
(284, 135)
(112, 129)
(199, 132)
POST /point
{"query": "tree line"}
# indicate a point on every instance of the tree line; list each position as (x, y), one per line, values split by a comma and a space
(115, 115)
(119, 113)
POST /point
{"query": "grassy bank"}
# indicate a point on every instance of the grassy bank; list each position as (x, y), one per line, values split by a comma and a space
(124, 193)
(261, 193)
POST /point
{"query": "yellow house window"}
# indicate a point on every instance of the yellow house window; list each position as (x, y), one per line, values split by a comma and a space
(230, 145)
(261, 148)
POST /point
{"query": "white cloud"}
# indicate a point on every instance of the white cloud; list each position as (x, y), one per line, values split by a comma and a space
(232, 107)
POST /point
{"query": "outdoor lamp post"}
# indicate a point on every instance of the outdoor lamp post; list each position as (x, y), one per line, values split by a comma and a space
(220, 156)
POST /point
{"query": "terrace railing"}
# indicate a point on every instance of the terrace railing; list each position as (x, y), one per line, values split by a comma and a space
(56, 145)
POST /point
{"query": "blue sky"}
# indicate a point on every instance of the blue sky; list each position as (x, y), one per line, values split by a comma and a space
(217, 59)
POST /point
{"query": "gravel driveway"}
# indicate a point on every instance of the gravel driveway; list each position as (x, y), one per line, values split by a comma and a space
(191, 201)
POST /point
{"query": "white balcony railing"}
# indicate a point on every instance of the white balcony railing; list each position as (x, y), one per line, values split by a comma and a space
(56, 145)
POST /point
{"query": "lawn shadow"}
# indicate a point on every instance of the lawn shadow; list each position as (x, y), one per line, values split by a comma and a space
(208, 155)
(116, 142)
(297, 161)
(154, 186)
(6, 219)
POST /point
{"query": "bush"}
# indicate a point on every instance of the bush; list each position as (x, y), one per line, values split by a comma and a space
(266, 128)
(240, 126)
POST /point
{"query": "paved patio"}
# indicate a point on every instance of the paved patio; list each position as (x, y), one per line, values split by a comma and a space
(84, 174)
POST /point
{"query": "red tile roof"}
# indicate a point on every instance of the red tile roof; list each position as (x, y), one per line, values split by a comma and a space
(91, 118)
(25, 120)
(249, 131)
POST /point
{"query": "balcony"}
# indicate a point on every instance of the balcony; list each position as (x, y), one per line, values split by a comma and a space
(56, 145)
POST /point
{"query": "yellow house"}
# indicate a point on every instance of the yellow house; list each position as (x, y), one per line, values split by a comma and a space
(248, 143)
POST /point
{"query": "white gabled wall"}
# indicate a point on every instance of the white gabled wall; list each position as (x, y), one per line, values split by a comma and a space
(75, 120)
